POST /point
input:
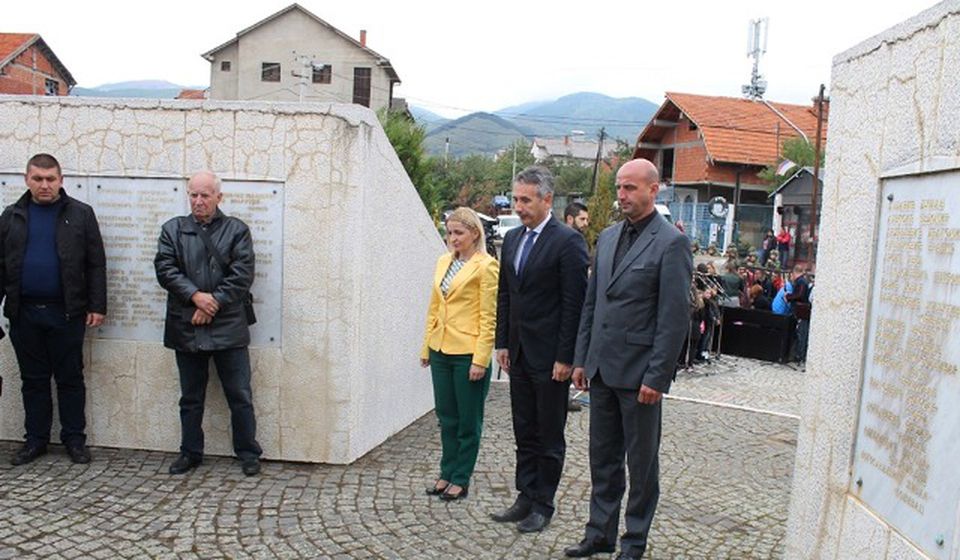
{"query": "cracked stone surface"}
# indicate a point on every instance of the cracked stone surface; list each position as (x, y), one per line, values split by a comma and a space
(725, 478)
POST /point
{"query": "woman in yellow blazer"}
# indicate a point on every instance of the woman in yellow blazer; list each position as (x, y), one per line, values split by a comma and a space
(457, 346)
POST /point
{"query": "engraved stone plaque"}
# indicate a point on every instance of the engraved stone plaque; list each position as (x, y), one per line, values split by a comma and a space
(131, 210)
(907, 456)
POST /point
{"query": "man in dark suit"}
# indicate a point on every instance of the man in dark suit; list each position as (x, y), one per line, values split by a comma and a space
(634, 321)
(542, 281)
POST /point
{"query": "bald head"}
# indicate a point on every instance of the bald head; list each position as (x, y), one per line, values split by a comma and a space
(637, 185)
(203, 190)
(642, 169)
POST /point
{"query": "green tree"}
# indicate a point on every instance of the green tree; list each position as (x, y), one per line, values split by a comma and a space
(406, 137)
(795, 149)
(602, 205)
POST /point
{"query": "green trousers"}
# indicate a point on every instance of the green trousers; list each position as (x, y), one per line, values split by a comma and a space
(459, 407)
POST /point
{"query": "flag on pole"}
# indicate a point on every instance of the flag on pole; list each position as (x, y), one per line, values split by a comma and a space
(785, 165)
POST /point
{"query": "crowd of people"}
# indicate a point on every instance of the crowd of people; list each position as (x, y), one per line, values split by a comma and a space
(743, 284)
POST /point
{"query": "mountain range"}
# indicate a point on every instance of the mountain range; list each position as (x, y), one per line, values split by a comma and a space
(151, 89)
(585, 112)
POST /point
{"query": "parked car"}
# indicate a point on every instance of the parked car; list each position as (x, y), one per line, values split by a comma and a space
(506, 222)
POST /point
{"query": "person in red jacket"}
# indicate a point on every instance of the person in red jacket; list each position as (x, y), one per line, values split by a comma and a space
(783, 246)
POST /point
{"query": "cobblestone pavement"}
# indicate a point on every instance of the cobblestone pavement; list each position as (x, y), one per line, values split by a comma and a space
(725, 478)
(744, 382)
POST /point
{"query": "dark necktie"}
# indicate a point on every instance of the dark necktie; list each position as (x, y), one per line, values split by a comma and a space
(525, 250)
(626, 241)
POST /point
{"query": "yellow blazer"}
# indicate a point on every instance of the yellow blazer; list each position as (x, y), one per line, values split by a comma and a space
(464, 322)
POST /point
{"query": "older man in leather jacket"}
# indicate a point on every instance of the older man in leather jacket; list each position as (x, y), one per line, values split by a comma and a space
(206, 317)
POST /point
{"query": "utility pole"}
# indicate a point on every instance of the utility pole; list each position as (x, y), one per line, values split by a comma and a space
(513, 172)
(446, 150)
(816, 178)
(307, 63)
(596, 161)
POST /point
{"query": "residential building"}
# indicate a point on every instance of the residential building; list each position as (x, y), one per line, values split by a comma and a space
(293, 55)
(707, 146)
(29, 67)
(575, 149)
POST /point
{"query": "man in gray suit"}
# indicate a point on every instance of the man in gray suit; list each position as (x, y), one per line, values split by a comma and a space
(634, 320)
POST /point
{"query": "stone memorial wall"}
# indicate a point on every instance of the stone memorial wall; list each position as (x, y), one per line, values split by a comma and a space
(334, 351)
(876, 469)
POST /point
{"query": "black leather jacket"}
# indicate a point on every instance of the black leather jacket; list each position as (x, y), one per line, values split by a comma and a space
(83, 263)
(184, 267)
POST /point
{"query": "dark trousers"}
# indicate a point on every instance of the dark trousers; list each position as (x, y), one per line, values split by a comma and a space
(619, 425)
(803, 336)
(459, 407)
(539, 408)
(233, 368)
(47, 344)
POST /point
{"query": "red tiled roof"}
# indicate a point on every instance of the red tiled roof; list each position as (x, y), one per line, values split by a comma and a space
(11, 43)
(192, 94)
(737, 130)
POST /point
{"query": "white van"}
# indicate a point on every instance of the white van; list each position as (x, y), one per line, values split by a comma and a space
(506, 222)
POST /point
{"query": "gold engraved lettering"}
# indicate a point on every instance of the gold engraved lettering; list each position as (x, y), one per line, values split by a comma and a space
(881, 440)
(883, 413)
(909, 500)
(900, 219)
(946, 278)
(932, 205)
(943, 234)
(904, 206)
(901, 301)
(903, 233)
(934, 219)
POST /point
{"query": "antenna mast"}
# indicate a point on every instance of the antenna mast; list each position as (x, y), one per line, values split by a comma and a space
(756, 46)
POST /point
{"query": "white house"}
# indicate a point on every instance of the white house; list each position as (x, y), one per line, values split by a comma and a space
(294, 55)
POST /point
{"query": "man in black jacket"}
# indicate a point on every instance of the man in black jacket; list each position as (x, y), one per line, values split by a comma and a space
(206, 318)
(53, 277)
(542, 282)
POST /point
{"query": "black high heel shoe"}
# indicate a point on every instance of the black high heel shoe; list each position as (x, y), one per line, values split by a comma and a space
(437, 490)
(447, 496)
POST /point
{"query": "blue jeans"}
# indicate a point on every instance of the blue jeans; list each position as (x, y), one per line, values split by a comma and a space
(48, 343)
(233, 368)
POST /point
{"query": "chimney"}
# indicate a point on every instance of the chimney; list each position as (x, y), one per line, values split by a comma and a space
(363, 37)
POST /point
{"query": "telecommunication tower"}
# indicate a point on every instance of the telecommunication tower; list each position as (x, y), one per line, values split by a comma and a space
(756, 46)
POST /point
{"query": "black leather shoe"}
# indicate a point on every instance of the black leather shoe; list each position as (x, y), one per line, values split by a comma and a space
(448, 496)
(27, 454)
(79, 454)
(436, 490)
(588, 548)
(626, 556)
(250, 467)
(512, 514)
(184, 463)
(534, 523)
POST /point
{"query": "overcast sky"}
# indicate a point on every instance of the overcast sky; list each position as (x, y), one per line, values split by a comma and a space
(457, 57)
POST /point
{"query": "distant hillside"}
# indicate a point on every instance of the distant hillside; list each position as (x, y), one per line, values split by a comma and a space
(476, 133)
(150, 89)
(428, 119)
(622, 118)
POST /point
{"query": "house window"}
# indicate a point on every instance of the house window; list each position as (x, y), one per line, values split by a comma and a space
(51, 87)
(323, 74)
(666, 166)
(270, 72)
(225, 66)
(361, 86)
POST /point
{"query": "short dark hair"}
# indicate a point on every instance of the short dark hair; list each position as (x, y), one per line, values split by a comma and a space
(44, 161)
(573, 209)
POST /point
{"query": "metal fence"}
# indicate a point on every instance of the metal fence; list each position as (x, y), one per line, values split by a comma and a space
(750, 221)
